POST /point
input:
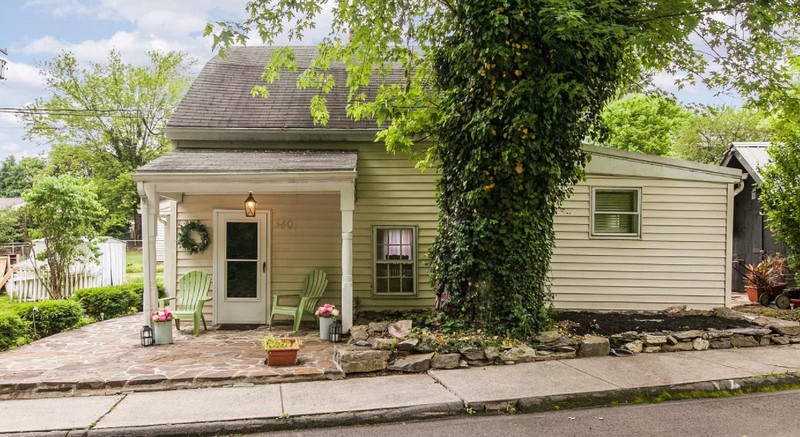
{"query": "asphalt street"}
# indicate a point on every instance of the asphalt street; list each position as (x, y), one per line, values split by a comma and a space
(759, 415)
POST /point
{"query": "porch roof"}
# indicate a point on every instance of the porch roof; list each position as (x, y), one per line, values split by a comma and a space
(216, 161)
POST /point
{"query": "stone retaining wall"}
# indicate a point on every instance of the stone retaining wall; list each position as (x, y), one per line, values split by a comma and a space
(385, 345)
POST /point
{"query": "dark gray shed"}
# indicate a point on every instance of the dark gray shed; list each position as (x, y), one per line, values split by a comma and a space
(751, 236)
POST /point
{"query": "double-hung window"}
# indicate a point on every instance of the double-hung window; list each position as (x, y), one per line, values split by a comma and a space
(395, 260)
(616, 212)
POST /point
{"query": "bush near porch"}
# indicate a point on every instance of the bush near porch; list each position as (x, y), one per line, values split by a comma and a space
(19, 324)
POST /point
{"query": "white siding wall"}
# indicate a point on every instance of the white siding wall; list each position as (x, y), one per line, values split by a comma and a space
(680, 258)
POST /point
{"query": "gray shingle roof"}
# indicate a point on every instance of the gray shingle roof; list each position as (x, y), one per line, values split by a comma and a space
(251, 161)
(221, 95)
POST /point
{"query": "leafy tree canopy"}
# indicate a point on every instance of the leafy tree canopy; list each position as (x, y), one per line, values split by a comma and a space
(63, 211)
(643, 123)
(103, 121)
(708, 133)
(505, 91)
(16, 177)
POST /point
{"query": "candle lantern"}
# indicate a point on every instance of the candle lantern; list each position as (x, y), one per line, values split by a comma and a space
(335, 332)
(147, 336)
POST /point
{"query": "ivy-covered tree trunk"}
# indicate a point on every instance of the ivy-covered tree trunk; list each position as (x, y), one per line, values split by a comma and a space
(519, 96)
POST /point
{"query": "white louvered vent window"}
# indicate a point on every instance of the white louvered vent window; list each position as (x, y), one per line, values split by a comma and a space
(616, 212)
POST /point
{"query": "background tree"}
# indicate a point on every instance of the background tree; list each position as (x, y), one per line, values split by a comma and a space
(63, 211)
(16, 177)
(643, 123)
(103, 122)
(506, 91)
(13, 228)
(708, 133)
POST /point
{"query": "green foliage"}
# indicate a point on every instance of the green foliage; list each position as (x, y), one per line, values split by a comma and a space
(502, 93)
(50, 317)
(110, 302)
(14, 331)
(707, 134)
(272, 342)
(643, 123)
(104, 121)
(64, 211)
(16, 177)
(13, 227)
(780, 194)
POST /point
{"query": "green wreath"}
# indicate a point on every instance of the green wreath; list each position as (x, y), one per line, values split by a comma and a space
(188, 242)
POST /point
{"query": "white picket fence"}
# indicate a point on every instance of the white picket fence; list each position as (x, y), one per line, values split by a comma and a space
(26, 285)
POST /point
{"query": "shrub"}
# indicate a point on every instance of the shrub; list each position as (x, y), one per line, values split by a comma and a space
(109, 302)
(14, 331)
(51, 316)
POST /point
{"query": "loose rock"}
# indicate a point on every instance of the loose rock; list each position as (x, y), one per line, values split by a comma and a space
(652, 339)
(687, 335)
(786, 328)
(407, 345)
(522, 354)
(634, 346)
(412, 363)
(445, 361)
(751, 331)
(383, 343)
(472, 354)
(677, 309)
(547, 337)
(681, 346)
(780, 340)
(593, 346)
(359, 333)
(353, 360)
(700, 344)
(377, 327)
(720, 344)
(491, 353)
(547, 355)
(400, 329)
(744, 341)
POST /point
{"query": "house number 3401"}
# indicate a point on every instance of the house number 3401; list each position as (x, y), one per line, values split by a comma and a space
(285, 224)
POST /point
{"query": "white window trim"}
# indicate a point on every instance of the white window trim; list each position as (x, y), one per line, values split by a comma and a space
(415, 260)
(637, 235)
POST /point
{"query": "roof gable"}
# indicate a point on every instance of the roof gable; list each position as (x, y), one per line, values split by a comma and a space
(752, 156)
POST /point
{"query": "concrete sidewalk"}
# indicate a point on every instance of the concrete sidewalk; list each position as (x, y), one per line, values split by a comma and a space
(538, 385)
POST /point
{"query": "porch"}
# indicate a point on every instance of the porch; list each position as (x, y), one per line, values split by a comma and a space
(107, 357)
(303, 221)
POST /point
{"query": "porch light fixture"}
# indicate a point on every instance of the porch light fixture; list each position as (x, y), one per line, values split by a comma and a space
(147, 336)
(250, 206)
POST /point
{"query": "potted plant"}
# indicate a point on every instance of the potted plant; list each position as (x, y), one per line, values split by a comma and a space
(327, 314)
(765, 279)
(162, 325)
(280, 351)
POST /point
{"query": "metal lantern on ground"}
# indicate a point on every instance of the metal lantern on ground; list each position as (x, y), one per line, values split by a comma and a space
(250, 206)
(147, 336)
(335, 331)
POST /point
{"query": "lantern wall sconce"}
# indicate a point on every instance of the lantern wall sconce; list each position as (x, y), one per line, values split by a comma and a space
(250, 206)
(147, 336)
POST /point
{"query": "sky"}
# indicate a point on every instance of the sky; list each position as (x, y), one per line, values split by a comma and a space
(34, 31)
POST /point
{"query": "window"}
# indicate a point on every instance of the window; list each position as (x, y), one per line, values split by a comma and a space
(616, 212)
(395, 259)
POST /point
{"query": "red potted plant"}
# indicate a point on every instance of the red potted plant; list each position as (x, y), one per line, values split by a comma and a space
(764, 280)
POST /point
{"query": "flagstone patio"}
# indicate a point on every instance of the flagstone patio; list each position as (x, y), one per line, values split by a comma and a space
(107, 357)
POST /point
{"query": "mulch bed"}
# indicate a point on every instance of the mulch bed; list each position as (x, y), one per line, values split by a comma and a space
(606, 324)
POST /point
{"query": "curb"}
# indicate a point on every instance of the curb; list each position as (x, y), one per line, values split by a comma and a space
(655, 394)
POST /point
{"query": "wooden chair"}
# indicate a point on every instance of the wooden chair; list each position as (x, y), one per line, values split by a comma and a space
(313, 287)
(192, 290)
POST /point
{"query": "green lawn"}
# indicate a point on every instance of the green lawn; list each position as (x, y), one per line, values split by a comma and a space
(134, 268)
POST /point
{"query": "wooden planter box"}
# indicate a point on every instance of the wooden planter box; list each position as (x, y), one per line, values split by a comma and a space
(283, 356)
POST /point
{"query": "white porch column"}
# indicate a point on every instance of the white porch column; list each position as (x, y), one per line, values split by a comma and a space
(149, 230)
(347, 205)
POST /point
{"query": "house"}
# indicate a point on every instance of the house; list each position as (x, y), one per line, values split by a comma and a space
(641, 232)
(751, 236)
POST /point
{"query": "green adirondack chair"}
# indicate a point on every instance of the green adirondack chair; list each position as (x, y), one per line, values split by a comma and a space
(192, 290)
(313, 287)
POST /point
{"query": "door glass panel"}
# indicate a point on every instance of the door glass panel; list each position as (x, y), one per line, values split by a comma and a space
(242, 240)
(242, 260)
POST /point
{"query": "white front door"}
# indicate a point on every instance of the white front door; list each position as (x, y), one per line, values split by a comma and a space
(241, 267)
